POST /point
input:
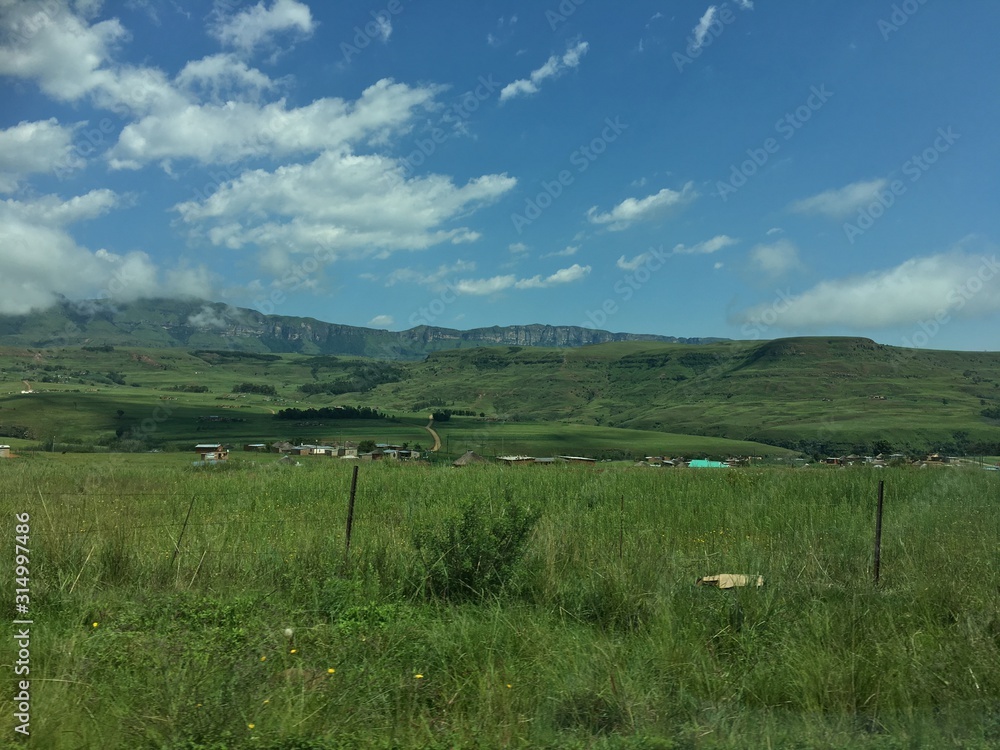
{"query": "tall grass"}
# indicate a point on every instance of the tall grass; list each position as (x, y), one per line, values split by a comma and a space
(599, 638)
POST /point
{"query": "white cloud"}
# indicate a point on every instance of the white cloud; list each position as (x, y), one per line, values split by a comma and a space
(48, 43)
(436, 279)
(700, 31)
(707, 247)
(51, 210)
(841, 202)
(702, 248)
(257, 26)
(223, 77)
(957, 284)
(223, 133)
(566, 252)
(349, 205)
(518, 248)
(482, 287)
(384, 27)
(40, 147)
(42, 262)
(775, 259)
(381, 321)
(631, 210)
(210, 317)
(745, 4)
(553, 67)
(775, 230)
(635, 263)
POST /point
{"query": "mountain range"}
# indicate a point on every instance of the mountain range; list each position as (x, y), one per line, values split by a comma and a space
(213, 325)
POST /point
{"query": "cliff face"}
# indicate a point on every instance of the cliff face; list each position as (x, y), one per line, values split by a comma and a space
(210, 325)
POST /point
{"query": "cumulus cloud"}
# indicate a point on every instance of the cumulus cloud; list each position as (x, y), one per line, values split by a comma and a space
(632, 210)
(381, 321)
(483, 287)
(775, 259)
(259, 25)
(42, 147)
(235, 130)
(349, 205)
(223, 77)
(841, 202)
(954, 284)
(49, 43)
(41, 261)
(552, 68)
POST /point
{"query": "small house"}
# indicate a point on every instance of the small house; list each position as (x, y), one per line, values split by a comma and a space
(468, 458)
(212, 452)
(516, 460)
(255, 447)
(578, 460)
(700, 463)
(4, 451)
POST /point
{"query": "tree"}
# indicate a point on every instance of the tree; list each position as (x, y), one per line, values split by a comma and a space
(366, 446)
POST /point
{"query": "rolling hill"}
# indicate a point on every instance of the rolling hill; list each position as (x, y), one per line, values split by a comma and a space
(817, 395)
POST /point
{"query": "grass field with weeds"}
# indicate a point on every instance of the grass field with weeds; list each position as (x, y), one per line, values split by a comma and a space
(485, 607)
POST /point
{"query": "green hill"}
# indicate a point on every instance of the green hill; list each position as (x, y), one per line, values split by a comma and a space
(817, 395)
(813, 394)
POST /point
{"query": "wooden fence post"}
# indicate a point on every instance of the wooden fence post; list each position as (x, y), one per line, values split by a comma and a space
(878, 530)
(350, 511)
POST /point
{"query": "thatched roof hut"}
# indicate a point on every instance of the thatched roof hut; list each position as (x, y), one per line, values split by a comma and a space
(469, 457)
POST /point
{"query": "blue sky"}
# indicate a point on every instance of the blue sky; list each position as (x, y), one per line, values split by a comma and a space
(738, 169)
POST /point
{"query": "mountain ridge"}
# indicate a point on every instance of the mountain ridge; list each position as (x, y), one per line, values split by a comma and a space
(168, 323)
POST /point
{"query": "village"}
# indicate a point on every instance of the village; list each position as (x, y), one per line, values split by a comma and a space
(210, 453)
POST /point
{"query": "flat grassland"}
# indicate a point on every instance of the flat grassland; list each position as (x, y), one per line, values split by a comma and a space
(487, 607)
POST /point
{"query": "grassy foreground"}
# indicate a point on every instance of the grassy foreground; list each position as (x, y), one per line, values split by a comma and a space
(598, 639)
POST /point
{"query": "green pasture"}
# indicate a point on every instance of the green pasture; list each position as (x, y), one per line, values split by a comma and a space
(217, 608)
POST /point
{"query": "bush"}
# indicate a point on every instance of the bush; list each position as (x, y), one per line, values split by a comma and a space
(477, 553)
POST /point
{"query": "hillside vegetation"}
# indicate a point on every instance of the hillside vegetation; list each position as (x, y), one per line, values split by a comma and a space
(817, 395)
(812, 394)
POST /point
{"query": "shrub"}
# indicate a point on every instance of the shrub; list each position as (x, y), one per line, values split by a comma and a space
(477, 553)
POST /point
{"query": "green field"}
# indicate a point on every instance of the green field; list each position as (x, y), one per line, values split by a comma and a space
(820, 396)
(81, 409)
(487, 607)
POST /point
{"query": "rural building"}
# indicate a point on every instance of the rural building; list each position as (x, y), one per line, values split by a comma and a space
(700, 463)
(516, 460)
(347, 450)
(255, 447)
(4, 451)
(400, 454)
(282, 447)
(468, 458)
(211, 452)
(578, 460)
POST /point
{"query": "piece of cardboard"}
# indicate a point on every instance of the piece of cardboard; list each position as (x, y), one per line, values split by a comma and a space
(730, 580)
